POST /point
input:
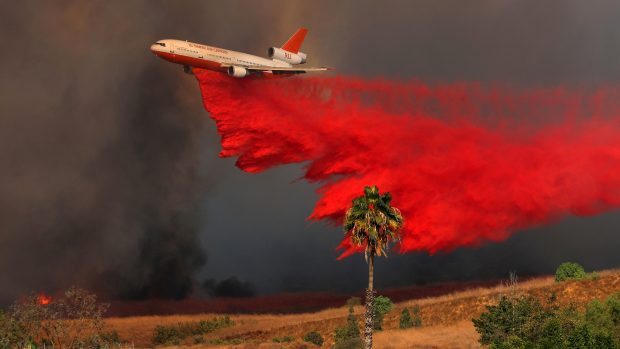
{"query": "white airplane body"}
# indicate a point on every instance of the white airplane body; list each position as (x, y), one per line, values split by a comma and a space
(284, 60)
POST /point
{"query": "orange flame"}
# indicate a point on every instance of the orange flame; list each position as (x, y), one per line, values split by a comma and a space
(44, 299)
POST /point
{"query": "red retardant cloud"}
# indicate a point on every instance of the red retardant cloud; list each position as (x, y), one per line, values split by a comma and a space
(465, 164)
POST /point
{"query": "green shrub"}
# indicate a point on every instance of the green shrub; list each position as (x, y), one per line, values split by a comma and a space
(512, 342)
(206, 326)
(417, 319)
(570, 271)
(511, 317)
(599, 318)
(29, 319)
(353, 301)
(348, 337)
(405, 319)
(314, 338)
(382, 305)
(166, 335)
(613, 306)
(12, 335)
(283, 339)
(583, 337)
(174, 334)
(552, 334)
(525, 323)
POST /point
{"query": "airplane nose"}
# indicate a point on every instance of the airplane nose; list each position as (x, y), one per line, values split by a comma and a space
(153, 48)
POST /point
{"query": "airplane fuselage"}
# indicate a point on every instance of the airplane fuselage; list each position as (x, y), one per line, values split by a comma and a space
(208, 57)
(283, 61)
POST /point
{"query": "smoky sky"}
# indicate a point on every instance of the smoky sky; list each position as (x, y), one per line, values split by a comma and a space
(110, 177)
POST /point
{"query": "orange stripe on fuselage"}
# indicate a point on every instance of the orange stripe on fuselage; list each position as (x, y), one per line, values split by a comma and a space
(210, 65)
(191, 61)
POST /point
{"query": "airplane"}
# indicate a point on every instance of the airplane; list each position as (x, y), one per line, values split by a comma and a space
(284, 60)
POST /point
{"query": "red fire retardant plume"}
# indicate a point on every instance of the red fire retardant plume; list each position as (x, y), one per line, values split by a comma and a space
(465, 164)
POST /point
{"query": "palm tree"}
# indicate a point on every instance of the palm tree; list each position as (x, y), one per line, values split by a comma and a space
(372, 224)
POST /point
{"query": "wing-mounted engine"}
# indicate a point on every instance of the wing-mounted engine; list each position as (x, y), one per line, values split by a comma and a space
(286, 56)
(238, 72)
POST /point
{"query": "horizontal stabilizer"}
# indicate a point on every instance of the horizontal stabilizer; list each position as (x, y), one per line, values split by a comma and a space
(280, 70)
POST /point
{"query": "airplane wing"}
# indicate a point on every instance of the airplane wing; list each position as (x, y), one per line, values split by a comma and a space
(279, 70)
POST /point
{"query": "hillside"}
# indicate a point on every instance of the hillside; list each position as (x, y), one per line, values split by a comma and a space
(446, 318)
(284, 303)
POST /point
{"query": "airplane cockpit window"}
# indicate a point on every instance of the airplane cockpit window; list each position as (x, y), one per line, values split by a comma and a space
(160, 44)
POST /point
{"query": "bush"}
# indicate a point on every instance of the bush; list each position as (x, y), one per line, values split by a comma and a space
(598, 317)
(583, 337)
(613, 306)
(552, 333)
(284, 339)
(32, 322)
(12, 334)
(381, 306)
(509, 318)
(166, 335)
(524, 322)
(348, 337)
(405, 319)
(206, 326)
(417, 319)
(570, 271)
(174, 334)
(314, 338)
(512, 342)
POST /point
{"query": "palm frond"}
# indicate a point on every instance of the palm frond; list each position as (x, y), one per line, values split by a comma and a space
(372, 222)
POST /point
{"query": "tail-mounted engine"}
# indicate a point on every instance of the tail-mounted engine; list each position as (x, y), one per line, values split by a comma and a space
(286, 56)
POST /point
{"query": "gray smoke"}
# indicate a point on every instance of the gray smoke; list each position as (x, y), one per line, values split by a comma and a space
(102, 158)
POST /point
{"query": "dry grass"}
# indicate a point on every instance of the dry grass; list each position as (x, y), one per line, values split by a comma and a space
(447, 318)
(461, 335)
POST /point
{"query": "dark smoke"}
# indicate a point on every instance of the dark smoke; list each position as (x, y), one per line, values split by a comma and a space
(230, 287)
(102, 163)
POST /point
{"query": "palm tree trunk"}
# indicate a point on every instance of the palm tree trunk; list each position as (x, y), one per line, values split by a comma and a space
(369, 303)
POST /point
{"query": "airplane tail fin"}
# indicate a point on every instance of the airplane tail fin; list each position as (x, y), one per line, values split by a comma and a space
(294, 42)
